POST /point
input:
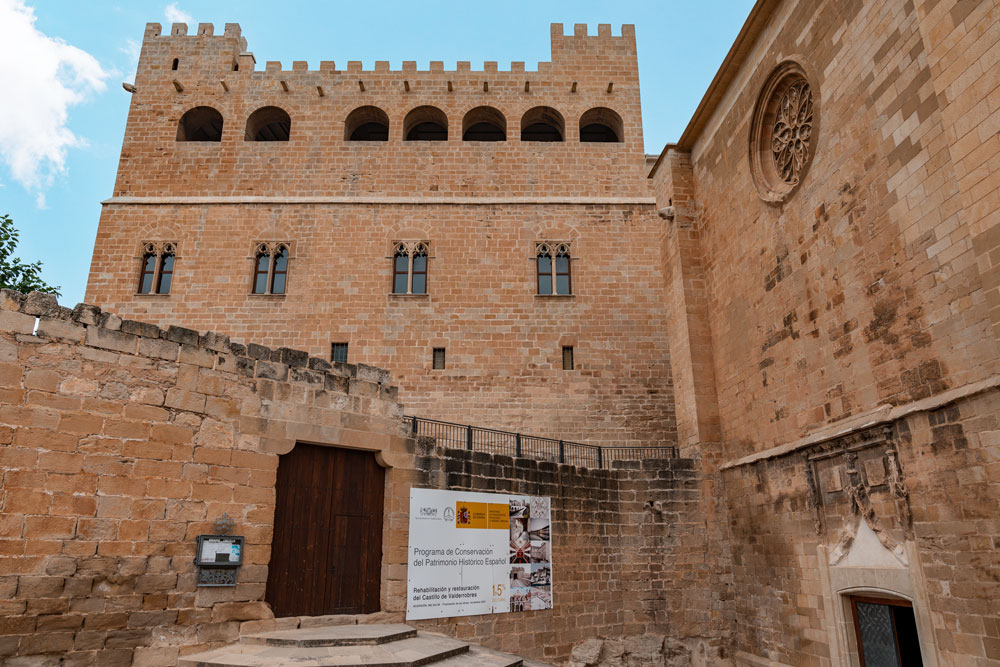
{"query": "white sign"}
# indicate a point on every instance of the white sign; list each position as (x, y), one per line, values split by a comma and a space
(477, 553)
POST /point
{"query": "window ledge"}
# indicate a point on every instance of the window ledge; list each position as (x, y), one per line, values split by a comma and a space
(555, 296)
(266, 296)
(397, 295)
(153, 295)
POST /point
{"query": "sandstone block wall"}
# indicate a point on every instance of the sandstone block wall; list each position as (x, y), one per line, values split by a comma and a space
(317, 161)
(865, 287)
(789, 533)
(865, 298)
(503, 342)
(481, 206)
(119, 444)
(629, 551)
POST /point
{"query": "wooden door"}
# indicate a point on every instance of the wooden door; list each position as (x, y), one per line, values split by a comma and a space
(326, 555)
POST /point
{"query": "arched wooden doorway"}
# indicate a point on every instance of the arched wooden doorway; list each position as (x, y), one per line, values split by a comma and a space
(326, 554)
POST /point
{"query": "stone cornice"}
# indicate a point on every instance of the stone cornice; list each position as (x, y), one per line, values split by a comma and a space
(883, 414)
(377, 199)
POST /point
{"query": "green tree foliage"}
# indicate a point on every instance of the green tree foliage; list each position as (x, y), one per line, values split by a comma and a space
(15, 274)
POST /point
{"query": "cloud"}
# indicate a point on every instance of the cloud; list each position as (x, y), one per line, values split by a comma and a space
(41, 78)
(131, 50)
(176, 15)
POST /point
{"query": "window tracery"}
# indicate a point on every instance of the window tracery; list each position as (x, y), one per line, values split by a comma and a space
(792, 128)
(409, 267)
(156, 269)
(270, 268)
(553, 267)
(783, 132)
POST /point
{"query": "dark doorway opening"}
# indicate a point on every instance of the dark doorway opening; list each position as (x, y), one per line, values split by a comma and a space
(326, 554)
(886, 632)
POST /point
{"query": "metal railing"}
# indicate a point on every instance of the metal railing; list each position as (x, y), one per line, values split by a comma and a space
(508, 443)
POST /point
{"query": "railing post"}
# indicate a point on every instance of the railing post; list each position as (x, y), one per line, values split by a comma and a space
(414, 426)
(600, 457)
(468, 437)
(517, 445)
(562, 452)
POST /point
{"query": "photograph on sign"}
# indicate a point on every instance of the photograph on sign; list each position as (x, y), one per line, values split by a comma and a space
(477, 553)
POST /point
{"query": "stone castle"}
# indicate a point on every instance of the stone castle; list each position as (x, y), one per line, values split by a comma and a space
(801, 297)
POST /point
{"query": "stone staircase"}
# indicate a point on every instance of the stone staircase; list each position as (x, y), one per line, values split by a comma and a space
(376, 645)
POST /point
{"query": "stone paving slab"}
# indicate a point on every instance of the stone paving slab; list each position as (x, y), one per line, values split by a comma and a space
(341, 635)
(409, 652)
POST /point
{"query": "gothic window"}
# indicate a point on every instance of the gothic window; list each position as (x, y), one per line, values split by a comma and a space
(270, 268)
(553, 268)
(166, 272)
(280, 270)
(148, 272)
(885, 632)
(783, 132)
(409, 267)
(157, 269)
(200, 124)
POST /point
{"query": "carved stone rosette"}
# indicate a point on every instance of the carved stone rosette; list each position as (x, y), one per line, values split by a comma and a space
(783, 132)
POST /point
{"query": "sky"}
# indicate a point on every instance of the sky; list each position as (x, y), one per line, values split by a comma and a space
(62, 63)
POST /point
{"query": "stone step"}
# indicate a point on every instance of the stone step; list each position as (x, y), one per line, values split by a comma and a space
(478, 656)
(410, 652)
(339, 635)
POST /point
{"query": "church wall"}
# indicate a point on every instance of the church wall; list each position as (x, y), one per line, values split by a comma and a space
(862, 288)
(863, 300)
(928, 486)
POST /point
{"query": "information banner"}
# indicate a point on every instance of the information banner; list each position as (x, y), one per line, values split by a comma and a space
(477, 553)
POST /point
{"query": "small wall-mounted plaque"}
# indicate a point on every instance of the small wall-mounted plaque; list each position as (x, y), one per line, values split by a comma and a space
(218, 558)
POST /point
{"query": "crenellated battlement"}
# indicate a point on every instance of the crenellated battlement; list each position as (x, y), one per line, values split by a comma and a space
(196, 91)
(567, 51)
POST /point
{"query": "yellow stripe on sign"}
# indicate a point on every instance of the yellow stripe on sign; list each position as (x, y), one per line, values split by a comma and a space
(498, 516)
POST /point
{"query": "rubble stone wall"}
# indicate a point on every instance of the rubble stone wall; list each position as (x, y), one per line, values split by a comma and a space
(121, 442)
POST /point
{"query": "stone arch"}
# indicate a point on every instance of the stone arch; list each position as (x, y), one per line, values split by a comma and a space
(543, 124)
(202, 123)
(367, 123)
(484, 123)
(601, 124)
(425, 123)
(268, 124)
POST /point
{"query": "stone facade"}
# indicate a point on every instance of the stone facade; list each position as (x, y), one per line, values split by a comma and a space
(803, 295)
(340, 205)
(121, 442)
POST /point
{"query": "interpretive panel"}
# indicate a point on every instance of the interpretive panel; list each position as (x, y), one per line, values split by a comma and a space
(478, 553)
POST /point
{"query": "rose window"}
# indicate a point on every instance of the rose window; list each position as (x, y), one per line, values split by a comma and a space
(783, 133)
